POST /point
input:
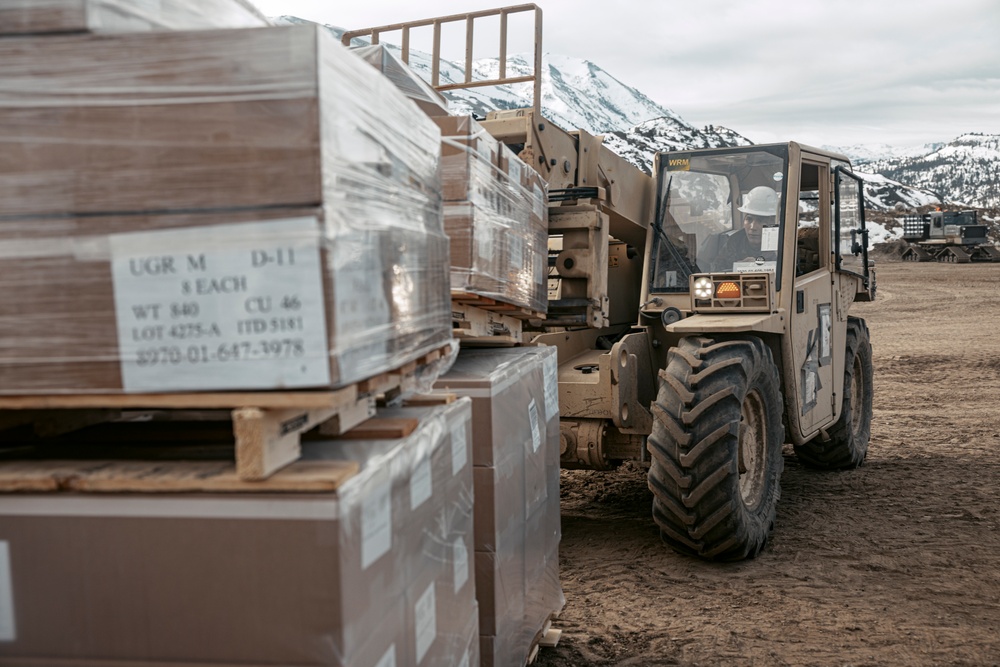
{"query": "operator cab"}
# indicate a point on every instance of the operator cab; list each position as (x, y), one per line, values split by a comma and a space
(729, 210)
(718, 211)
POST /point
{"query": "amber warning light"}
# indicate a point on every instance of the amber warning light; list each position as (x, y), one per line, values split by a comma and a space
(727, 290)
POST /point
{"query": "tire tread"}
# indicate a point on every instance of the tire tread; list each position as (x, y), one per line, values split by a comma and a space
(694, 475)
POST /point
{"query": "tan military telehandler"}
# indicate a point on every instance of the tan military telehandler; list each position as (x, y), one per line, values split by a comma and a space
(701, 314)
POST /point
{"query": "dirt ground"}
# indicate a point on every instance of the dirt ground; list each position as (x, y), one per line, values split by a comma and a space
(895, 563)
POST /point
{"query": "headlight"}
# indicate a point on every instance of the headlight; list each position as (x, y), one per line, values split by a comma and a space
(703, 288)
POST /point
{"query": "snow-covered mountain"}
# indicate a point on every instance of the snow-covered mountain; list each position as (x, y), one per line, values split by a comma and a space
(864, 153)
(640, 143)
(577, 93)
(885, 194)
(965, 171)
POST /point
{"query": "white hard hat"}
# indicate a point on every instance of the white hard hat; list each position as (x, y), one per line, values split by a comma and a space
(762, 200)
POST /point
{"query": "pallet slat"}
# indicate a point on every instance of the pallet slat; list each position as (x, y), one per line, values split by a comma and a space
(112, 476)
(490, 304)
(196, 401)
(429, 400)
(382, 428)
(474, 325)
(547, 637)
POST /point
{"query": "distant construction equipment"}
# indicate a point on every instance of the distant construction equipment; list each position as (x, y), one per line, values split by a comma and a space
(947, 236)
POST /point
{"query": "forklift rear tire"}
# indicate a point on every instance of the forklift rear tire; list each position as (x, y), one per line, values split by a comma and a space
(848, 443)
(716, 448)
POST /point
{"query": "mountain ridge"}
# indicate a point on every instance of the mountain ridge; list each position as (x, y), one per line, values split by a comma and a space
(578, 93)
(965, 171)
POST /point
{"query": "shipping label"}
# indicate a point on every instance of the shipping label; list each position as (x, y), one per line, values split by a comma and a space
(514, 169)
(459, 456)
(420, 483)
(425, 618)
(550, 375)
(536, 437)
(376, 524)
(461, 563)
(538, 202)
(221, 307)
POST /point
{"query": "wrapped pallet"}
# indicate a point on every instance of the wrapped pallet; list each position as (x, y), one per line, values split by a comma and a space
(516, 470)
(377, 572)
(212, 210)
(382, 58)
(496, 216)
(55, 16)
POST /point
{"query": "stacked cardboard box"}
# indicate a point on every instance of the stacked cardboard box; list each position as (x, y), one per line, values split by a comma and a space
(516, 458)
(496, 216)
(206, 210)
(50, 16)
(381, 57)
(379, 572)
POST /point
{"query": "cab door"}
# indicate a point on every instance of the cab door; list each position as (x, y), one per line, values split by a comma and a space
(850, 232)
(812, 328)
(849, 238)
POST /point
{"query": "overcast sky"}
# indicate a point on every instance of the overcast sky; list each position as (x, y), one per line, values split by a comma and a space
(837, 72)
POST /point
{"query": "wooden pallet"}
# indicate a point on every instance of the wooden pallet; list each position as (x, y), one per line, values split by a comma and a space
(266, 426)
(495, 306)
(171, 472)
(473, 325)
(547, 637)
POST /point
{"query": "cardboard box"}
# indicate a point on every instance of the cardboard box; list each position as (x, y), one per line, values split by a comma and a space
(500, 506)
(469, 157)
(500, 592)
(125, 184)
(516, 455)
(503, 384)
(261, 299)
(181, 121)
(497, 223)
(105, 16)
(190, 579)
(543, 591)
(304, 579)
(455, 649)
(476, 253)
(421, 93)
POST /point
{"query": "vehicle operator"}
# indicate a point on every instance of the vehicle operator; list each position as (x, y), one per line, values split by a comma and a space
(760, 209)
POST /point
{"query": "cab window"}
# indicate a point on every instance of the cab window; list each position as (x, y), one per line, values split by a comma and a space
(718, 210)
(808, 257)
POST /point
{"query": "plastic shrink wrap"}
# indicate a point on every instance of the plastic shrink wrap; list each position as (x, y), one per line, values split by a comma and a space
(212, 210)
(50, 16)
(409, 82)
(496, 215)
(379, 570)
(515, 452)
